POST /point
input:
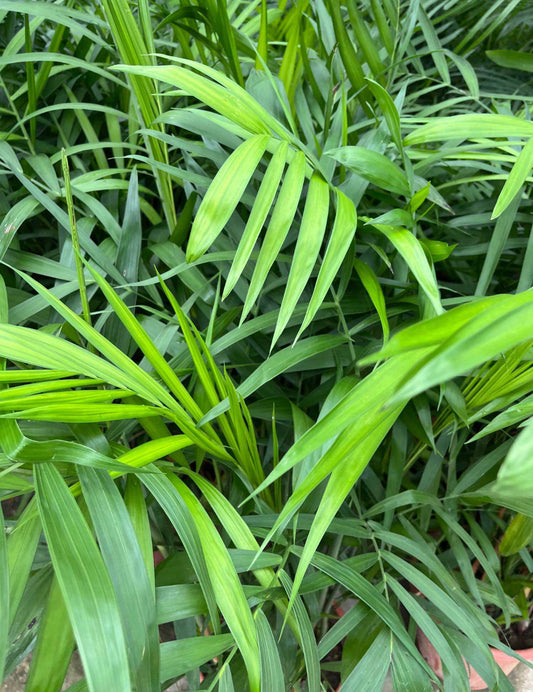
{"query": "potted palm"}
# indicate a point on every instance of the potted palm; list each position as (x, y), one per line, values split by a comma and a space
(265, 339)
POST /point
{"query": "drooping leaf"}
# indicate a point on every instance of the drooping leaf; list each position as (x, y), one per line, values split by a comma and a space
(85, 584)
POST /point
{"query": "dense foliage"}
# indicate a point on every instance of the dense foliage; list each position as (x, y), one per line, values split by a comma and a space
(266, 322)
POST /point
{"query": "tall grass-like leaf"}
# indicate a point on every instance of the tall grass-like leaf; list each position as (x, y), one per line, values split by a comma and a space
(272, 678)
(141, 338)
(389, 110)
(373, 166)
(373, 288)
(434, 44)
(348, 55)
(138, 513)
(368, 593)
(410, 249)
(45, 351)
(242, 537)
(310, 237)
(441, 600)
(21, 547)
(262, 41)
(275, 365)
(484, 337)
(144, 383)
(280, 223)
(366, 398)
(517, 536)
(258, 215)
(511, 416)
(85, 584)
(516, 178)
(405, 671)
(174, 507)
(30, 78)
(308, 641)
(88, 413)
(4, 595)
(343, 477)
(470, 126)
(182, 655)
(430, 629)
(514, 59)
(234, 104)
(514, 477)
(371, 670)
(133, 50)
(54, 647)
(219, 11)
(226, 586)
(434, 331)
(366, 42)
(125, 565)
(344, 228)
(224, 194)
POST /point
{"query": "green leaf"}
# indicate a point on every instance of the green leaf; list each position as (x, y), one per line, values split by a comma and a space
(310, 237)
(141, 338)
(406, 672)
(344, 228)
(507, 418)
(518, 535)
(373, 288)
(21, 546)
(224, 194)
(175, 508)
(471, 126)
(516, 178)
(389, 110)
(124, 562)
(411, 250)
(490, 333)
(179, 602)
(45, 351)
(363, 402)
(369, 594)
(182, 655)
(432, 332)
(429, 629)
(346, 459)
(85, 584)
(513, 59)
(263, 202)
(308, 641)
(226, 585)
(515, 476)
(374, 167)
(229, 99)
(370, 673)
(55, 644)
(445, 604)
(498, 243)
(243, 538)
(87, 413)
(280, 223)
(272, 679)
(137, 510)
(4, 595)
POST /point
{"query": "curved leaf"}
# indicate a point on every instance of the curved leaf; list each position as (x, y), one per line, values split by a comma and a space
(224, 194)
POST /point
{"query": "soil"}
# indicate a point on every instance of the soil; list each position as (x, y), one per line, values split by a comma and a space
(519, 636)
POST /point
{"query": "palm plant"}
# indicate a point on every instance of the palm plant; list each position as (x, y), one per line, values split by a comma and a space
(266, 321)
